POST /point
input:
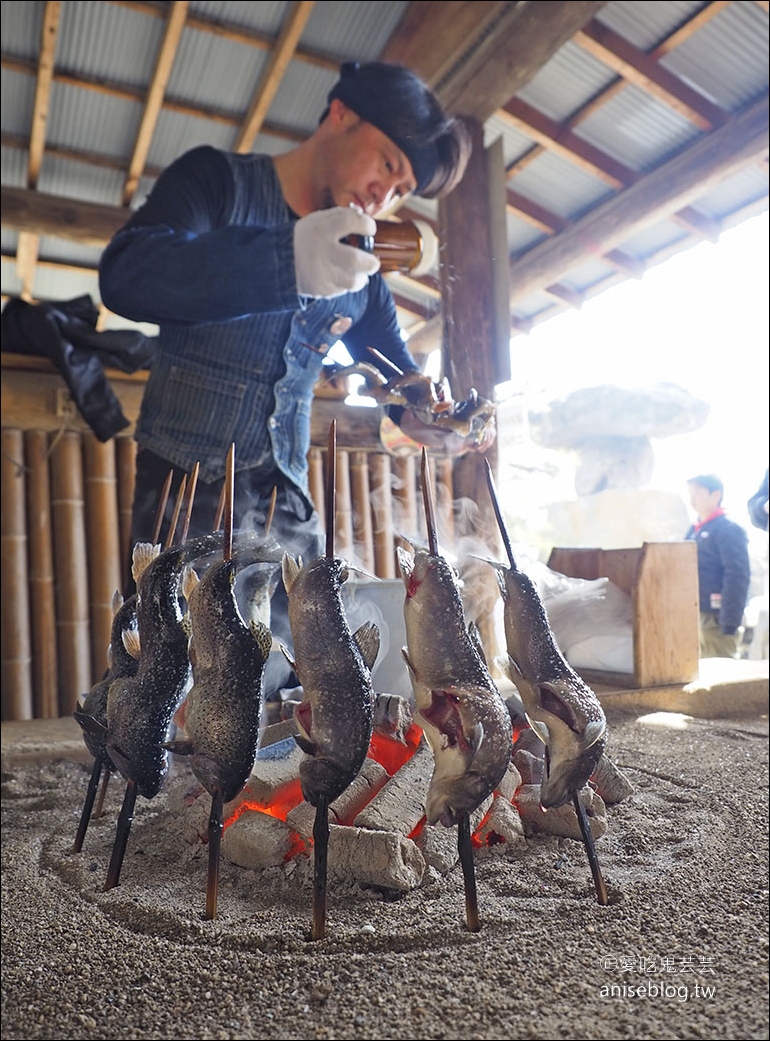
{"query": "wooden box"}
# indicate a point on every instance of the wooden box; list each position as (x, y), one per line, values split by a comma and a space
(662, 580)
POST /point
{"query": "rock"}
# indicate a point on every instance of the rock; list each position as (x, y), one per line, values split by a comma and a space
(659, 410)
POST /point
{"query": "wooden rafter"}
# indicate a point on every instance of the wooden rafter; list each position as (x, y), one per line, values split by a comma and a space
(280, 57)
(154, 100)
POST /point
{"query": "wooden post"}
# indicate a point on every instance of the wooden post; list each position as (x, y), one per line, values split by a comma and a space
(103, 541)
(382, 513)
(344, 545)
(405, 517)
(125, 464)
(475, 345)
(362, 511)
(316, 481)
(41, 576)
(16, 649)
(71, 563)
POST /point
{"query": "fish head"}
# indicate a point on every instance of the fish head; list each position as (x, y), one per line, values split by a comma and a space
(322, 776)
(574, 744)
(450, 798)
(427, 577)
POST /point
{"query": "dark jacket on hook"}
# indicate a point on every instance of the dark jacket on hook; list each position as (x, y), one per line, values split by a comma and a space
(65, 332)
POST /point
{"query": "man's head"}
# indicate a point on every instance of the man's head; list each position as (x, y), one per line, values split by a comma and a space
(706, 491)
(396, 101)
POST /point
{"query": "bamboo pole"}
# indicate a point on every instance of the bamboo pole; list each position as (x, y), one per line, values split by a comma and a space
(17, 702)
(70, 561)
(103, 541)
(382, 513)
(344, 509)
(445, 499)
(404, 484)
(125, 465)
(362, 510)
(42, 592)
(316, 480)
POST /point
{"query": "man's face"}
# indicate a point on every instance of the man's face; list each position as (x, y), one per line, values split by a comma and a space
(702, 500)
(362, 165)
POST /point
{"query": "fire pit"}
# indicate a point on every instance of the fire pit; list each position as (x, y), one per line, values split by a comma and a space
(379, 837)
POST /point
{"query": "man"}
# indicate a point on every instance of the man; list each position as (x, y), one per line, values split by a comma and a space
(239, 261)
(724, 571)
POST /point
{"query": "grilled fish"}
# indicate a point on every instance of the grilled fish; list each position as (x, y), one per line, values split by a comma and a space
(140, 708)
(562, 710)
(223, 705)
(465, 719)
(122, 662)
(335, 716)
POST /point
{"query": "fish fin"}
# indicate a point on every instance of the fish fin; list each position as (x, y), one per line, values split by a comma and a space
(405, 563)
(186, 625)
(290, 568)
(594, 731)
(288, 657)
(405, 655)
(190, 582)
(475, 638)
(117, 602)
(89, 724)
(367, 638)
(263, 636)
(503, 662)
(540, 728)
(143, 555)
(179, 747)
(131, 642)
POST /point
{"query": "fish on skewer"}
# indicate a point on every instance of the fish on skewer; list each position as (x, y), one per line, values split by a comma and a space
(91, 715)
(336, 714)
(140, 709)
(122, 662)
(464, 717)
(561, 708)
(223, 705)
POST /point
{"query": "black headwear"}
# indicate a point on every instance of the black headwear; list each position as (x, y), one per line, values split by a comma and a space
(377, 93)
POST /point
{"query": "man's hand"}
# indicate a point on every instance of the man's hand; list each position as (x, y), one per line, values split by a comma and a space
(326, 266)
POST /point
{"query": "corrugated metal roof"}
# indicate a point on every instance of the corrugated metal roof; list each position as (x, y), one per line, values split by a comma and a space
(106, 55)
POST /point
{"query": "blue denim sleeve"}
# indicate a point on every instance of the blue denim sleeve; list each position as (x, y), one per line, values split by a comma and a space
(379, 328)
(183, 258)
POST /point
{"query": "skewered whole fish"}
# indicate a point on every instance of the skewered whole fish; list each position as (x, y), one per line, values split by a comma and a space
(140, 709)
(561, 709)
(335, 716)
(465, 719)
(122, 662)
(222, 709)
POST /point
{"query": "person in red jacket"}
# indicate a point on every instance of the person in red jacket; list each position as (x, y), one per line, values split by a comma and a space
(724, 571)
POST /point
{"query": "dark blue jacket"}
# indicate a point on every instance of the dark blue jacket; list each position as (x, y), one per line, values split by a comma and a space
(723, 569)
(209, 258)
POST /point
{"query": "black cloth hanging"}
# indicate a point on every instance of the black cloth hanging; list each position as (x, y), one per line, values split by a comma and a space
(65, 332)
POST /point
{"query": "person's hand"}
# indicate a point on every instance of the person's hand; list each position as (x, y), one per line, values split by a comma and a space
(325, 266)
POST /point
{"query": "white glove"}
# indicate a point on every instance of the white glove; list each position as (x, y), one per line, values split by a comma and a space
(324, 265)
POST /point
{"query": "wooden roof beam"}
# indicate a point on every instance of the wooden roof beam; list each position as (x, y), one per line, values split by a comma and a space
(657, 195)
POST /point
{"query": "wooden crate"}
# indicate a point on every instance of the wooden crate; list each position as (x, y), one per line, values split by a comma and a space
(662, 580)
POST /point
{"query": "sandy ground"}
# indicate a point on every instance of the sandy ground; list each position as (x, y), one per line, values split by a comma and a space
(680, 952)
